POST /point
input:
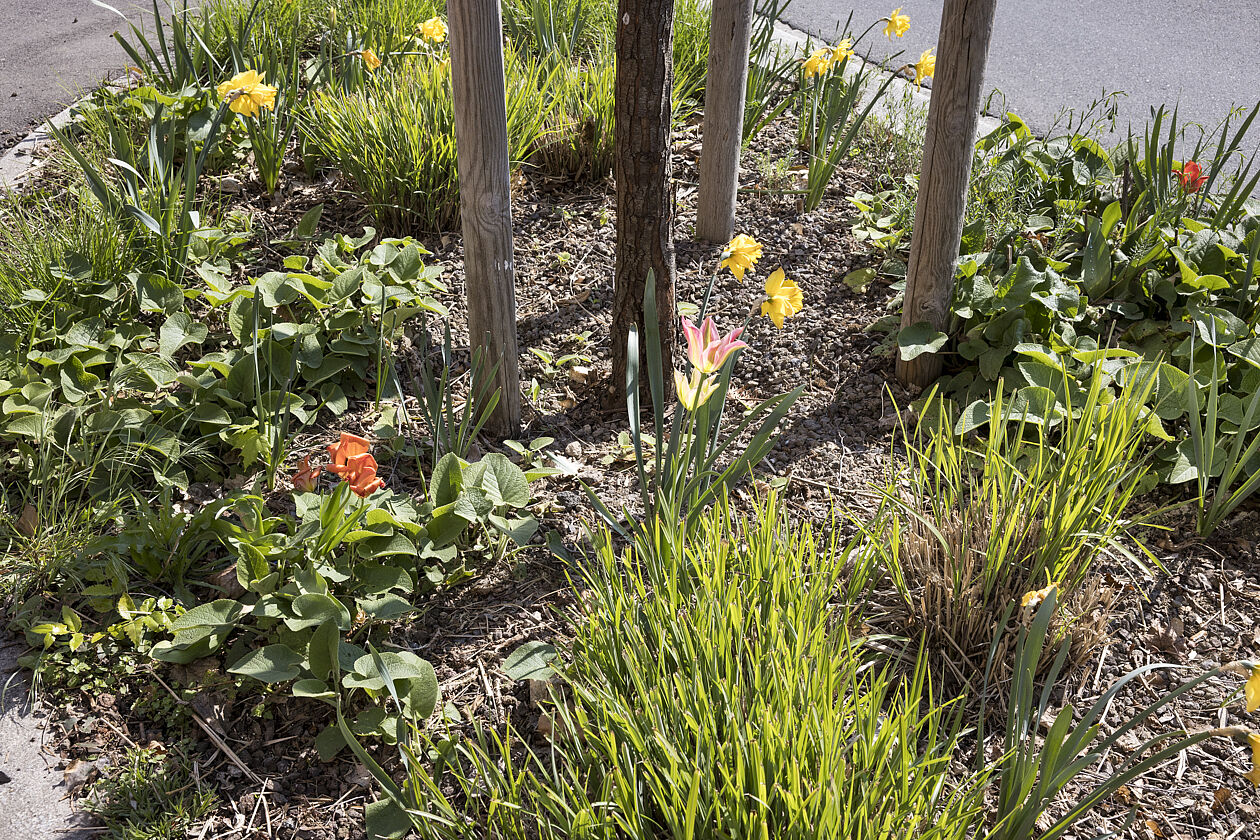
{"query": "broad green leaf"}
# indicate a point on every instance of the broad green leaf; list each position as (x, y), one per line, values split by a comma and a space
(178, 331)
(270, 664)
(914, 341)
(313, 609)
(530, 661)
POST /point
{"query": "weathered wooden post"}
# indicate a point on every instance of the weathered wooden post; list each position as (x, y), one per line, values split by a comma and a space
(726, 87)
(485, 199)
(643, 171)
(966, 26)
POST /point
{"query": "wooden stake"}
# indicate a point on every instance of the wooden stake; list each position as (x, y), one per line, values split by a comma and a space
(485, 197)
(966, 26)
(726, 88)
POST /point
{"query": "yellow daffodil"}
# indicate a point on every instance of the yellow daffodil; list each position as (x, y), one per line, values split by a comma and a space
(694, 392)
(898, 24)
(370, 59)
(1033, 599)
(246, 94)
(740, 255)
(1253, 688)
(925, 67)
(818, 63)
(822, 60)
(434, 29)
(783, 298)
(1254, 776)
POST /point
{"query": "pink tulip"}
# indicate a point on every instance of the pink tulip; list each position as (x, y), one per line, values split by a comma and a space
(707, 349)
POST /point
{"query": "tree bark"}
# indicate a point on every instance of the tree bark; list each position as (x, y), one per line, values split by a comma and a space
(643, 170)
(485, 198)
(726, 88)
(963, 47)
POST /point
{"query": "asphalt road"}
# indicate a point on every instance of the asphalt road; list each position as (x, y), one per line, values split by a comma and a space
(1049, 55)
(1046, 55)
(50, 52)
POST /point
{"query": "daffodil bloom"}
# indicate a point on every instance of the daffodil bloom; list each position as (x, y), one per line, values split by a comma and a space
(246, 94)
(819, 62)
(841, 51)
(306, 479)
(1253, 739)
(434, 29)
(898, 24)
(708, 349)
(370, 59)
(1033, 599)
(694, 392)
(1252, 689)
(783, 298)
(740, 255)
(925, 67)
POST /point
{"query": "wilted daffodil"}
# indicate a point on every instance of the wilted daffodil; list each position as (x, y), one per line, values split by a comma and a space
(740, 255)
(694, 392)
(898, 24)
(708, 349)
(925, 67)
(246, 94)
(307, 478)
(783, 298)
(1036, 597)
(370, 59)
(1253, 740)
(434, 29)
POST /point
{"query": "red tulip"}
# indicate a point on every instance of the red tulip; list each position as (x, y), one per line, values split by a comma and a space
(1191, 177)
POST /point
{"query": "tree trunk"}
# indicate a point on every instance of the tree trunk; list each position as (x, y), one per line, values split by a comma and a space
(947, 150)
(485, 199)
(643, 168)
(725, 90)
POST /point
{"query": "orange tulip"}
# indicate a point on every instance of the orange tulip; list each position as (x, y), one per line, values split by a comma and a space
(307, 478)
(354, 463)
(343, 450)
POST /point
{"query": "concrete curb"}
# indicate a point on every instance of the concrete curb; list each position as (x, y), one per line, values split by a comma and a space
(23, 160)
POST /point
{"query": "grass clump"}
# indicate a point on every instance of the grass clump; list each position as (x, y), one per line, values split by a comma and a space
(700, 683)
(1032, 506)
(395, 138)
(151, 796)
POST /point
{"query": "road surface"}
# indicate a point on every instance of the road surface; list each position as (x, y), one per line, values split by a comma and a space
(52, 51)
(1048, 55)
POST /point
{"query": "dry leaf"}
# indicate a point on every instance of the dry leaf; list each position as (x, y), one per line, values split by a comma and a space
(1220, 797)
(28, 522)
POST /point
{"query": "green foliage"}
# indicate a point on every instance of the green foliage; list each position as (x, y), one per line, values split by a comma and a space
(150, 796)
(286, 346)
(670, 721)
(395, 139)
(1112, 264)
(834, 107)
(972, 527)
(1036, 768)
